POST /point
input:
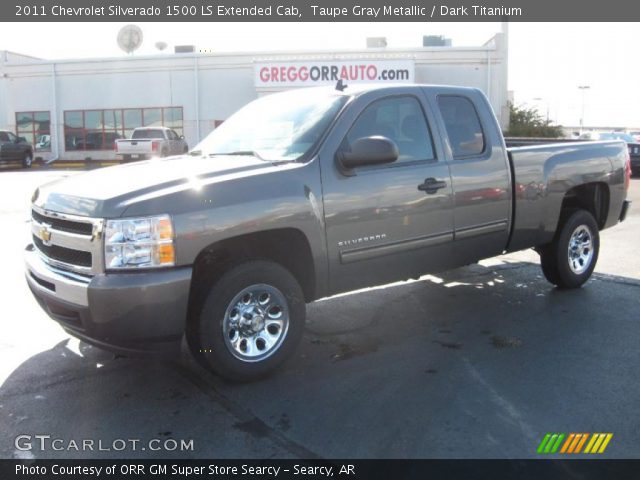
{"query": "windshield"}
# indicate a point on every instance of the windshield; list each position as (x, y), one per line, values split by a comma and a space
(277, 127)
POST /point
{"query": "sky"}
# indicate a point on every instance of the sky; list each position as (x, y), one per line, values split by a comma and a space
(547, 61)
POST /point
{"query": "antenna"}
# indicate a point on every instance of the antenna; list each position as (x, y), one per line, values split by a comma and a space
(130, 38)
(161, 45)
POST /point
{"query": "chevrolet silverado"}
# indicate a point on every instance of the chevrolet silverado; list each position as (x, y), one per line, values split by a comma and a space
(302, 195)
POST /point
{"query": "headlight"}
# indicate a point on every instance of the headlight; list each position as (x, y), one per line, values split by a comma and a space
(139, 243)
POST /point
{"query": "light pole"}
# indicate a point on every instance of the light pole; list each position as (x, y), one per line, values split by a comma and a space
(583, 88)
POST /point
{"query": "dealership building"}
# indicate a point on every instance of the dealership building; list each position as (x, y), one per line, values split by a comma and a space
(75, 109)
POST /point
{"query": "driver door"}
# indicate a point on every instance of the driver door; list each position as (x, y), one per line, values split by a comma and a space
(385, 222)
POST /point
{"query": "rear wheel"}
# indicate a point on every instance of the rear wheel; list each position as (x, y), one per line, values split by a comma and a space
(569, 260)
(251, 320)
(27, 160)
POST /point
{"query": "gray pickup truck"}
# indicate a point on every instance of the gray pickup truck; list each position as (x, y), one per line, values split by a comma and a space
(149, 142)
(301, 195)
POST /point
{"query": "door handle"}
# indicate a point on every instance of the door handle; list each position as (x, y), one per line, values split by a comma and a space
(431, 185)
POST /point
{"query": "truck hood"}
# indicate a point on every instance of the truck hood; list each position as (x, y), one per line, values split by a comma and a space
(107, 192)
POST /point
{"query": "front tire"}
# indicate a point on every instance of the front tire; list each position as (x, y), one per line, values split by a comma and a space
(251, 321)
(570, 259)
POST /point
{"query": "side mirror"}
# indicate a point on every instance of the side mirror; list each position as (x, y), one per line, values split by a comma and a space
(181, 137)
(21, 140)
(376, 150)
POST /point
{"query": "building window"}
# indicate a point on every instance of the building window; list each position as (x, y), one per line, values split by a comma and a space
(99, 129)
(35, 127)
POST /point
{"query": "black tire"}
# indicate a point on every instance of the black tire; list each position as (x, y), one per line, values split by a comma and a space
(126, 158)
(27, 159)
(206, 330)
(549, 264)
(565, 269)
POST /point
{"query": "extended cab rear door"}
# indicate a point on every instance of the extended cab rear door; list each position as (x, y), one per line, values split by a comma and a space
(479, 171)
(391, 221)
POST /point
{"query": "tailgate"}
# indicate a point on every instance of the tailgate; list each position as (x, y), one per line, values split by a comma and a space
(134, 147)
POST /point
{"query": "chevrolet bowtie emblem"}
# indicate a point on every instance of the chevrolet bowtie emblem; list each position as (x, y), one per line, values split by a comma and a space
(45, 234)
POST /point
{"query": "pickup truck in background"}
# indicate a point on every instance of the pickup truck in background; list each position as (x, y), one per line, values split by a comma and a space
(301, 195)
(147, 142)
(15, 149)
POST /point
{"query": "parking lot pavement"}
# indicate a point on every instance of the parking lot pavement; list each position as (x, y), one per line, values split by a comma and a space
(478, 362)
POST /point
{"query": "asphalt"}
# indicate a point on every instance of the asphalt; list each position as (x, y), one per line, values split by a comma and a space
(479, 362)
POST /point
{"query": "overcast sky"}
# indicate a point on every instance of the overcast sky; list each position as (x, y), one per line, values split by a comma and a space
(546, 60)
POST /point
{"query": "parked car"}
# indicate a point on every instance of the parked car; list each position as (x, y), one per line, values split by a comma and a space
(302, 195)
(147, 142)
(44, 142)
(14, 149)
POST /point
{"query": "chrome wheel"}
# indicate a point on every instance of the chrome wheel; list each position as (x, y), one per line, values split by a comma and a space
(28, 160)
(256, 322)
(580, 249)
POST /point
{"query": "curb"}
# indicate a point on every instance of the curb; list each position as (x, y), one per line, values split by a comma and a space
(85, 165)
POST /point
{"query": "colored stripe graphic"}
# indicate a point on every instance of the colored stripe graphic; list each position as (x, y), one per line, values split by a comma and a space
(574, 443)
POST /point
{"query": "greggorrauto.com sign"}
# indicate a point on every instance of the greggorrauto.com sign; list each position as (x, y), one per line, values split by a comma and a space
(298, 74)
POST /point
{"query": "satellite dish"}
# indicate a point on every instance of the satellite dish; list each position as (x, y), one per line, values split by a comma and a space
(161, 45)
(130, 38)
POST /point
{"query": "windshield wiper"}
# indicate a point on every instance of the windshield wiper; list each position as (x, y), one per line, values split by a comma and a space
(244, 153)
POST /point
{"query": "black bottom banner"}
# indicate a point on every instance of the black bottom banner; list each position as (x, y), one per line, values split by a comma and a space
(319, 469)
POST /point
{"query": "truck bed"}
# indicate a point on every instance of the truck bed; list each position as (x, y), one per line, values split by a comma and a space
(542, 174)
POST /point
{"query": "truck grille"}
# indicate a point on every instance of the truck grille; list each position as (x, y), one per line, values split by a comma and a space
(63, 225)
(62, 254)
(68, 242)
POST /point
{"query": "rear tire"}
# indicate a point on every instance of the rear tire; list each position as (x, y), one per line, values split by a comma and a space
(568, 261)
(251, 320)
(27, 160)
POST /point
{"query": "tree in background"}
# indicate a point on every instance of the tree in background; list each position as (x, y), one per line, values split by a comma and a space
(527, 122)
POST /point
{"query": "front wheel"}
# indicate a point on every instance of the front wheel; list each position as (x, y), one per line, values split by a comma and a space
(251, 321)
(569, 260)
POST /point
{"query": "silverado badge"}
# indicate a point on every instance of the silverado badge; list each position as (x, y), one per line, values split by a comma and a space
(45, 234)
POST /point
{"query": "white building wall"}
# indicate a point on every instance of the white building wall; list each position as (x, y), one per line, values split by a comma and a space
(209, 87)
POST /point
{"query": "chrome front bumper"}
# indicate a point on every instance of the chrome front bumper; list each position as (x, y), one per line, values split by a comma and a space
(55, 283)
(123, 312)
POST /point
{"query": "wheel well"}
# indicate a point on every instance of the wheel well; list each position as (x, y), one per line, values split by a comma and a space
(593, 197)
(288, 247)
